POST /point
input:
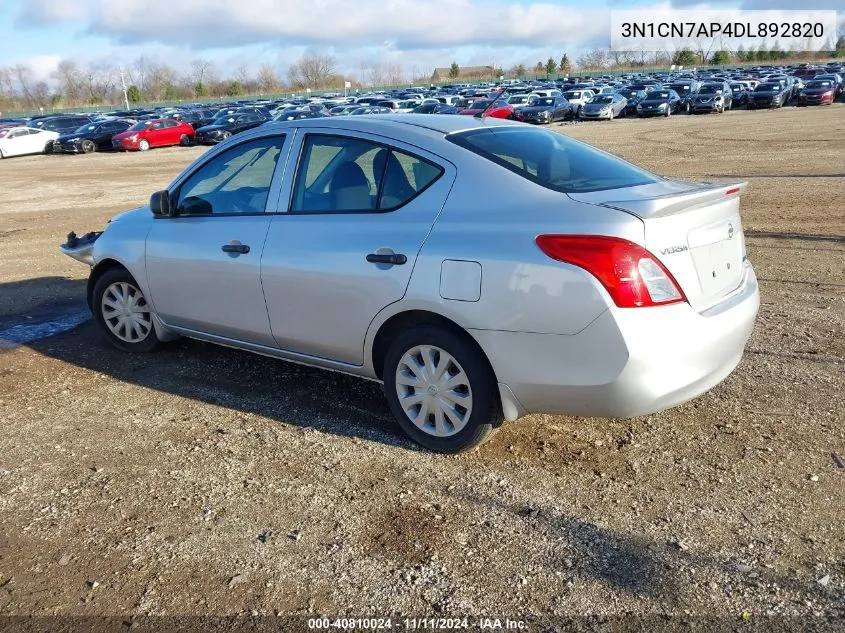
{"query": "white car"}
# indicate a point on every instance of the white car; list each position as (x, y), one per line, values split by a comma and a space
(579, 98)
(17, 141)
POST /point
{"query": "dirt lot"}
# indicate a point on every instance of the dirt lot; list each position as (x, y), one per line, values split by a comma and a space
(202, 480)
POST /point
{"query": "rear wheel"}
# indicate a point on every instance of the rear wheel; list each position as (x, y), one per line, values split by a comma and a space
(88, 146)
(441, 390)
(122, 312)
(184, 140)
(143, 145)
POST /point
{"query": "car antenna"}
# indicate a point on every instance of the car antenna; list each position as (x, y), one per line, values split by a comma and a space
(480, 115)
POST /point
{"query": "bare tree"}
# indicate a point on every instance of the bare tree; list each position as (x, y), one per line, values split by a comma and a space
(268, 82)
(595, 59)
(376, 75)
(393, 71)
(313, 70)
(200, 68)
(70, 79)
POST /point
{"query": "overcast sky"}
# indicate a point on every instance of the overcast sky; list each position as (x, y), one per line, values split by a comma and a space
(418, 34)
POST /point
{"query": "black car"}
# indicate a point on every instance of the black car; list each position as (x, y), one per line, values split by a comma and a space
(225, 126)
(768, 95)
(60, 124)
(435, 108)
(686, 90)
(545, 110)
(634, 97)
(659, 103)
(303, 113)
(91, 137)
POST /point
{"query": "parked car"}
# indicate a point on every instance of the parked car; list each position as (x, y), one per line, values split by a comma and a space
(686, 90)
(227, 126)
(498, 109)
(767, 95)
(60, 124)
(604, 107)
(836, 79)
(632, 294)
(664, 102)
(17, 141)
(438, 108)
(713, 97)
(817, 92)
(545, 110)
(578, 98)
(154, 133)
(91, 137)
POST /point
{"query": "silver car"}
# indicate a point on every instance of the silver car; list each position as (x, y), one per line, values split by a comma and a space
(577, 284)
(604, 107)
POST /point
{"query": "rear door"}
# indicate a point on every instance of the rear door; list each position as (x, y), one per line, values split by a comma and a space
(346, 238)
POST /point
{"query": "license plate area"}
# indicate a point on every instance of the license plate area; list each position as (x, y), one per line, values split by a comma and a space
(719, 266)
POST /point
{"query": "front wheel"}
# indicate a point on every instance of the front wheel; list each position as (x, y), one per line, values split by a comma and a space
(610, 116)
(225, 135)
(88, 146)
(441, 390)
(143, 145)
(123, 313)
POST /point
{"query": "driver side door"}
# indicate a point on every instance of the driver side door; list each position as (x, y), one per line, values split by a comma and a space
(204, 261)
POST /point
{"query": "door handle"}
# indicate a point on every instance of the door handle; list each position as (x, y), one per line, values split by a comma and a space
(235, 248)
(395, 259)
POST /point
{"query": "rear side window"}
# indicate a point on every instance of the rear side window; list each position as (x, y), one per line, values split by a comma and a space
(349, 175)
(552, 160)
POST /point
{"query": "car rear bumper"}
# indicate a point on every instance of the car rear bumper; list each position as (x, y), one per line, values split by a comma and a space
(628, 362)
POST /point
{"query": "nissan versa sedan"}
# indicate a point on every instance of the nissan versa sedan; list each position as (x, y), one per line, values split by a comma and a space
(591, 287)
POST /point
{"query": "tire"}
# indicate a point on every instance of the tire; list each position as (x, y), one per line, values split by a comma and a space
(185, 140)
(88, 147)
(48, 148)
(109, 312)
(668, 112)
(687, 108)
(143, 145)
(225, 135)
(465, 427)
(610, 116)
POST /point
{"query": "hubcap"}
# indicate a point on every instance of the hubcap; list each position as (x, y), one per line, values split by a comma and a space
(434, 391)
(126, 312)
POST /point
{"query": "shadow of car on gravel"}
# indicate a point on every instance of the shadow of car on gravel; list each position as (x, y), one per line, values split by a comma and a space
(293, 394)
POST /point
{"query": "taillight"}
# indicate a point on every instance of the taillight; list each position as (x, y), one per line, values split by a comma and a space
(632, 276)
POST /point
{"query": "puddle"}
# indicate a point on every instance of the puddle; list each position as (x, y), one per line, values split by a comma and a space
(23, 333)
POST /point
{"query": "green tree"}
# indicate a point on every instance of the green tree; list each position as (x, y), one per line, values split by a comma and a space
(133, 93)
(551, 66)
(684, 57)
(776, 52)
(236, 89)
(840, 47)
(454, 70)
(721, 58)
(200, 89)
(520, 70)
(741, 54)
(565, 65)
(539, 68)
(171, 92)
(762, 54)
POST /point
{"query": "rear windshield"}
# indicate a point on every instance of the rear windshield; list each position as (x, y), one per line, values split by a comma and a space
(551, 160)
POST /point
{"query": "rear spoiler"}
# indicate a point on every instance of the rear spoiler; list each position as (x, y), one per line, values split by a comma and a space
(698, 195)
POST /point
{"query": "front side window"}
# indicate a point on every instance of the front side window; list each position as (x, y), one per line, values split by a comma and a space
(342, 174)
(235, 181)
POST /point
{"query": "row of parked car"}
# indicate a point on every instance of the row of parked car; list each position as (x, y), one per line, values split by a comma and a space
(537, 102)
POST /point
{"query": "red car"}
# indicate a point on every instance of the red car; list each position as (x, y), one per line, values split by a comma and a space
(500, 109)
(154, 133)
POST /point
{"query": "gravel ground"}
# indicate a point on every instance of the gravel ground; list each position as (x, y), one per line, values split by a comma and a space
(206, 481)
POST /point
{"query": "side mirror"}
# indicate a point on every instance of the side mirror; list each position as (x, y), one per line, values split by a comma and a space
(160, 204)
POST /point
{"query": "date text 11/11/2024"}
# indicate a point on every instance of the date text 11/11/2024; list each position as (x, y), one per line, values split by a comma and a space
(417, 624)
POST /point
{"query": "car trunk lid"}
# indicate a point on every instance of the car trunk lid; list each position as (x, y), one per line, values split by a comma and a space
(694, 229)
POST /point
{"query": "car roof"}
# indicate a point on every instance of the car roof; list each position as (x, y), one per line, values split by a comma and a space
(412, 123)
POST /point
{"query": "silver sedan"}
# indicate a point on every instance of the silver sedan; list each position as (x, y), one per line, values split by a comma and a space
(604, 106)
(576, 284)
